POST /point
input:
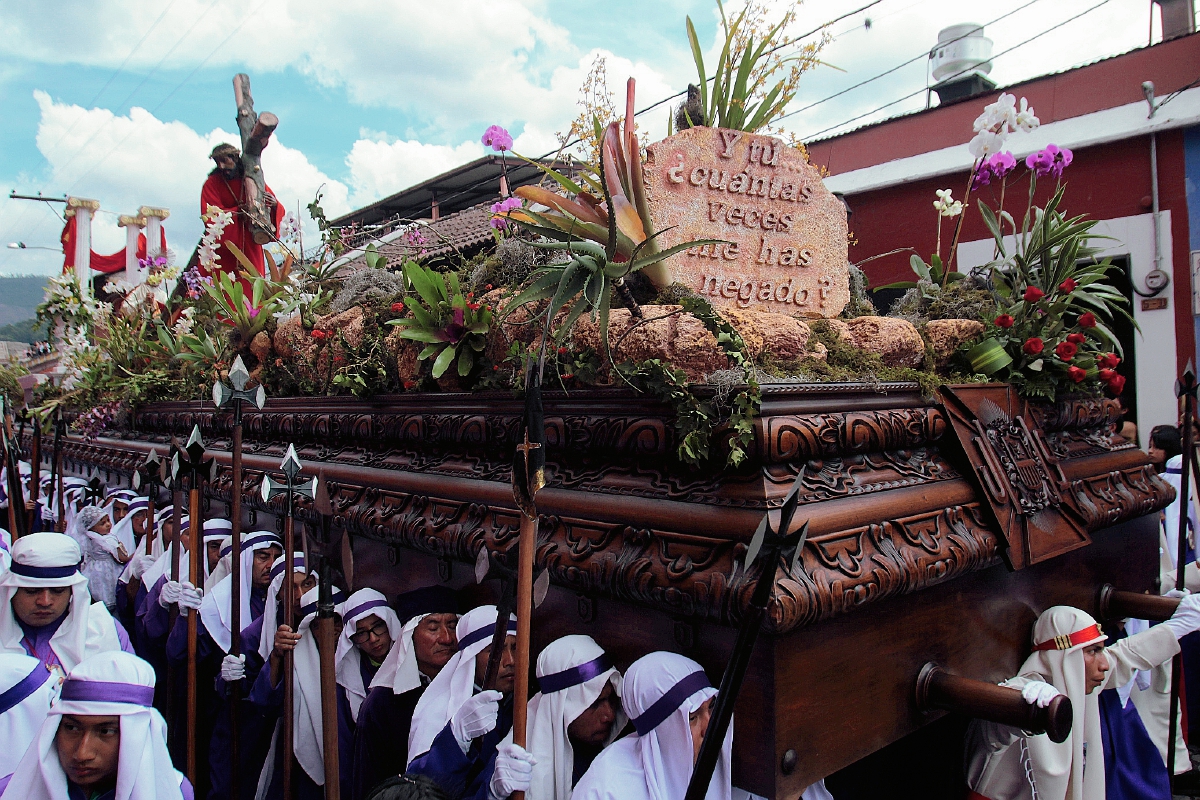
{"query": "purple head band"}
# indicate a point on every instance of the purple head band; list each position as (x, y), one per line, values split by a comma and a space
(670, 702)
(105, 692)
(367, 606)
(27, 571)
(485, 632)
(253, 540)
(24, 687)
(297, 564)
(574, 676)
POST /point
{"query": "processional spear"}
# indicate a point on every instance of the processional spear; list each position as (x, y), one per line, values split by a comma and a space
(149, 477)
(12, 463)
(56, 476)
(766, 548)
(1185, 387)
(191, 465)
(175, 486)
(223, 395)
(290, 487)
(325, 630)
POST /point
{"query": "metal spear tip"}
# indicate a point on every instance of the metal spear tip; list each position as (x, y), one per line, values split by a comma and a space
(195, 445)
(238, 374)
(175, 466)
(321, 501)
(260, 397)
(221, 394)
(291, 463)
(265, 491)
(483, 563)
(308, 489)
(151, 459)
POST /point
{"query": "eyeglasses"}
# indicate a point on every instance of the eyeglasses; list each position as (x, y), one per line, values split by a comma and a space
(378, 631)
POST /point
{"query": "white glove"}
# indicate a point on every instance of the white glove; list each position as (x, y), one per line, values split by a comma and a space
(1039, 693)
(169, 595)
(189, 596)
(1176, 593)
(1186, 618)
(514, 770)
(111, 544)
(233, 668)
(476, 717)
(140, 565)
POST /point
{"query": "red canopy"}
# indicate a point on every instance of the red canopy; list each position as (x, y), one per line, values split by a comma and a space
(100, 263)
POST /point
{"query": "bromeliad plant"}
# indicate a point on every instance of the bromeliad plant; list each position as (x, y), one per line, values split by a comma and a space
(452, 325)
(1056, 305)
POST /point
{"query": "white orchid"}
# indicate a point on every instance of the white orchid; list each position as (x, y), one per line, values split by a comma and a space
(1025, 119)
(946, 205)
(997, 122)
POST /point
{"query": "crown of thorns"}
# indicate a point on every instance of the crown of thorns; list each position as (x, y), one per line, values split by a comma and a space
(224, 150)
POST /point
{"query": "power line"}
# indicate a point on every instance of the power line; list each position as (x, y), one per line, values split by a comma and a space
(923, 56)
(922, 90)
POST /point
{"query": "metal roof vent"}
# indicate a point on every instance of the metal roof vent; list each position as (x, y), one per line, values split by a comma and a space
(961, 63)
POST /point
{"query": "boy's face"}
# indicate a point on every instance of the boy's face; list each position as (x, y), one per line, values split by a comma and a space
(89, 749)
(1095, 666)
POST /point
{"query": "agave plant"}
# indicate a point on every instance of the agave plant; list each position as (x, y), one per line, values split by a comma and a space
(452, 325)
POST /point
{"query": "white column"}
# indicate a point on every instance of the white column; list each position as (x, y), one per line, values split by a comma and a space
(154, 219)
(133, 226)
(83, 210)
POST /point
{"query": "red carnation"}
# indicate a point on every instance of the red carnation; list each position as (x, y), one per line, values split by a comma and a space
(1068, 286)
(1076, 374)
(1107, 375)
(1066, 350)
(488, 287)
(1004, 321)
(1109, 360)
(397, 306)
(1117, 384)
(1087, 320)
(473, 306)
(1033, 345)
(1076, 338)
(567, 376)
(409, 384)
(319, 334)
(1033, 294)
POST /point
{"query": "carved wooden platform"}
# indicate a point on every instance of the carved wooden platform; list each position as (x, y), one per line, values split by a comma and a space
(902, 545)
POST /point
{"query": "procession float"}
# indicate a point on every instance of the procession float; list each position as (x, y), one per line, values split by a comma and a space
(704, 352)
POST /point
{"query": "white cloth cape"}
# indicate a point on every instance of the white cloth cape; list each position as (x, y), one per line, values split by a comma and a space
(20, 724)
(88, 628)
(347, 657)
(266, 642)
(453, 685)
(997, 755)
(1171, 512)
(400, 671)
(144, 770)
(550, 714)
(150, 544)
(656, 766)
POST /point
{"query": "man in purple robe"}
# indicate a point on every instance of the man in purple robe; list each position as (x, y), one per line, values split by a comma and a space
(426, 642)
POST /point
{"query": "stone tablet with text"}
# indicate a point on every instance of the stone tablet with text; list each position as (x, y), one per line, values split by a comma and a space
(786, 233)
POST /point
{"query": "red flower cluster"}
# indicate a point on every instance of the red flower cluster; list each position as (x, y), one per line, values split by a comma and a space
(1087, 320)
(1109, 360)
(1108, 373)
(1068, 286)
(319, 334)
(1033, 346)
(397, 307)
(1004, 321)
(473, 306)
(409, 384)
(1076, 338)
(1033, 294)
(1076, 374)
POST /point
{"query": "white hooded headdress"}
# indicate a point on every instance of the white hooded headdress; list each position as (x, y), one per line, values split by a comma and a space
(360, 605)
(572, 672)
(109, 684)
(456, 682)
(660, 691)
(48, 560)
(271, 619)
(26, 692)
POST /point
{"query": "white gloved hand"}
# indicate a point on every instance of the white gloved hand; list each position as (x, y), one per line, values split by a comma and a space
(514, 770)
(140, 565)
(189, 596)
(1186, 618)
(233, 668)
(111, 544)
(169, 595)
(1174, 593)
(1039, 693)
(476, 717)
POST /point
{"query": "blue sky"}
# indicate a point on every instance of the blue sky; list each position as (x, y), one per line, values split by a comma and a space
(120, 100)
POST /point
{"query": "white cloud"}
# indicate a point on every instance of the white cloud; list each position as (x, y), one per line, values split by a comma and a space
(129, 161)
(379, 167)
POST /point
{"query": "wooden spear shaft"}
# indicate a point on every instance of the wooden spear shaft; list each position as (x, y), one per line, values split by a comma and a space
(172, 715)
(35, 474)
(527, 545)
(325, 628)
(194, 527)
(235, 597)
(289, 619)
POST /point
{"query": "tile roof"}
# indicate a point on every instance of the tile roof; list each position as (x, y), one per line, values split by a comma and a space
(462, 232)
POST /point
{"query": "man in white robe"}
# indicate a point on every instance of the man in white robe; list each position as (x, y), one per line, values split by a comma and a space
(26, 692)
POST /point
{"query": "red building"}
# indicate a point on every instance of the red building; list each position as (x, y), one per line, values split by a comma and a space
(1137, 172)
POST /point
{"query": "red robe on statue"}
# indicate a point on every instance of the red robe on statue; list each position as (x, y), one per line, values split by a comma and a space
(227, 195)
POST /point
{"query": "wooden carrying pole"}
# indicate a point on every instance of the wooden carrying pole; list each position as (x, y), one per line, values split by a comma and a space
(325, 628)
(938, 689)
(35, 474)
(60, 426)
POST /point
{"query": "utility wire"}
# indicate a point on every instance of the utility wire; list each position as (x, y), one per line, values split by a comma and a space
(922, 57)
(812, 137)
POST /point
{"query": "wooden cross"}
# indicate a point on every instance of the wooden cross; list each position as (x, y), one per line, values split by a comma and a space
(256, 130)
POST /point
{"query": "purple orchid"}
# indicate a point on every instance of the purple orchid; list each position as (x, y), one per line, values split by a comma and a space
(497, 138)
(455, 330)
(502, 207)
(1051, 161)
(993, 168)
(251, 310)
